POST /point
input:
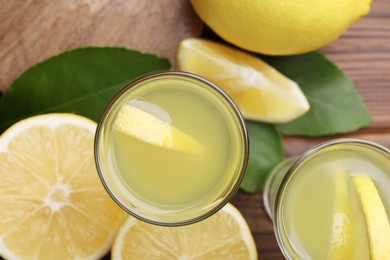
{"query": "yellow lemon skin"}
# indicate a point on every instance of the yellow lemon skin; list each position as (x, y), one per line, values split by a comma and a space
(280, 27)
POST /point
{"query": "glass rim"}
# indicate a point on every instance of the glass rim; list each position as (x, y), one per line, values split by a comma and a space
(240, 123)
(290, 172)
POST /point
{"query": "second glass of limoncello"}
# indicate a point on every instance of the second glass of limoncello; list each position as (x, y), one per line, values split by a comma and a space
(332, 202)
(171, 148)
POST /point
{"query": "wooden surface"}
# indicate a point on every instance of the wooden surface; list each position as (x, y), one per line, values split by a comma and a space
(31, 31)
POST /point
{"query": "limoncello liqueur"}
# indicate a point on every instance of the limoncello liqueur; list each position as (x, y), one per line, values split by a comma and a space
(310, 201)
(168, 185)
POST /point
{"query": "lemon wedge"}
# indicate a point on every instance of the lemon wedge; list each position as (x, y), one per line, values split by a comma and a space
(260, 91)
(225, 235)
(53, 205)
(140, 124)
(342, 233)
(376, 219)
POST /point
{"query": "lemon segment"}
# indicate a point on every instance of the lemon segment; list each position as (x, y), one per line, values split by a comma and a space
(144, 126)
(223, 235)
(342, 233)
(260, 91)
(53, 205)
(376, 219)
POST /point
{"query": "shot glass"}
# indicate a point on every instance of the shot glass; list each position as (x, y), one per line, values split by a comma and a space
(182, 153)
(311, 199)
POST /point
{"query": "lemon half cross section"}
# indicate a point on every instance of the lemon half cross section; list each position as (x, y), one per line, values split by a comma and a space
(376, 219)
(53, 205)
(261, 92)
(225, 235)
(145, 126)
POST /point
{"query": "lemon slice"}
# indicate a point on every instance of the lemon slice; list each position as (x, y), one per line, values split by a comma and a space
(342, 234)
(376, 219)
(260, 91)
(136, 122)
(53, 205)
(225, 235)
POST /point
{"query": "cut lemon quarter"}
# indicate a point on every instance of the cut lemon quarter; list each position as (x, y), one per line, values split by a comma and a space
(260, 91)
(376, 219)
(53, 205)
(225, 235)
(146, 126)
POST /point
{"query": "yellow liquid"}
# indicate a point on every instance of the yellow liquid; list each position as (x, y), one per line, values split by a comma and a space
(308, 204)
(157, 180)
(171, 178)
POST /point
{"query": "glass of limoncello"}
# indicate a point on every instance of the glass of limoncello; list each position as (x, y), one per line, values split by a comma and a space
(332, 202)
(171, 148)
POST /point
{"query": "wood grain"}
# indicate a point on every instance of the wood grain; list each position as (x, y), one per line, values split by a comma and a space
(31, 31)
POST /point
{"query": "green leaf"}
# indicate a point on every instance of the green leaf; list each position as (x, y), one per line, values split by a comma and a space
(80, 81)
(336, 106)
(265, 151)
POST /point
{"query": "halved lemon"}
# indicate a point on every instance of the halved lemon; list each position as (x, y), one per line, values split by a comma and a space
(145, 126)
(225, 235)
(375, 216)
(53, 205)
(260, 91)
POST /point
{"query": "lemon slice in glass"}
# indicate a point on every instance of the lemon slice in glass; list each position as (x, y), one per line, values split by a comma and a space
(260, 91)
(375, 216)
(342, 233)
(138, 123)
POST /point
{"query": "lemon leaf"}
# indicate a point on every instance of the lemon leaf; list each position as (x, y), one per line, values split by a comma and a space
(332, 96)
(265, 152)
(81, 81)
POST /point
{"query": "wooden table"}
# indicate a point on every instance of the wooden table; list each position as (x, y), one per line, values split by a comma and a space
(31, 31)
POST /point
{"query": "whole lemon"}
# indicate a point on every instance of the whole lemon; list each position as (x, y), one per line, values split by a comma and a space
(280, 27)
